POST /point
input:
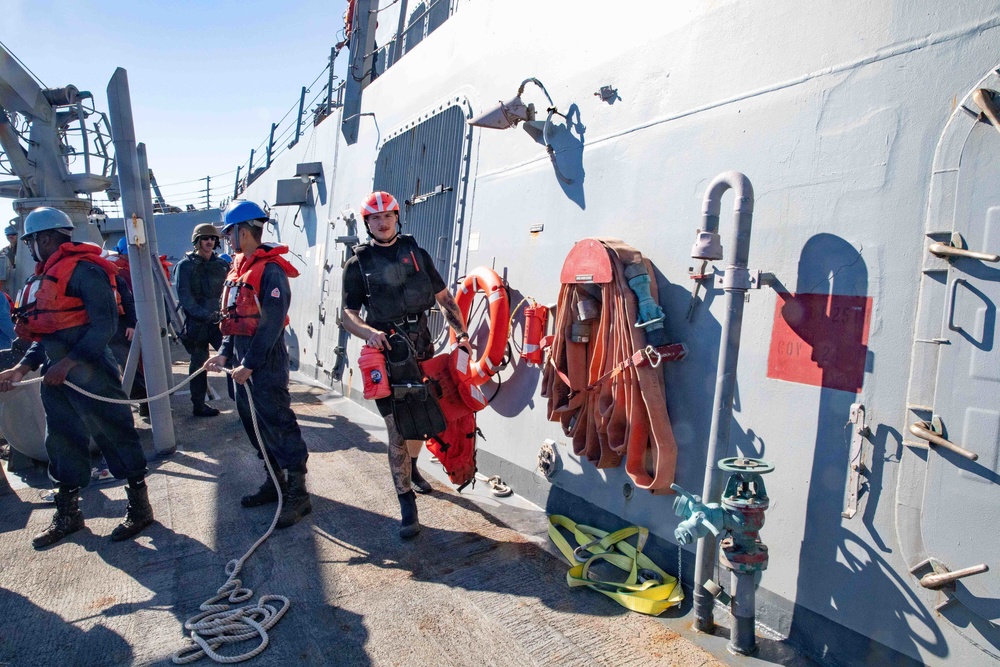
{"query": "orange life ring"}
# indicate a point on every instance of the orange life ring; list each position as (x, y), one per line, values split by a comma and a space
(486, 280)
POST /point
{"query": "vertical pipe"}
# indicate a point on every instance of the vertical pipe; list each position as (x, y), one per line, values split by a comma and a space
(236, 186)
(83, 135)
(250, 168)
(742, 639)
(298, 124)
(146, 304)
(270, 145)
(736, 283)
(208, 192)
(329, 81)
(397, 44)
(162, 287)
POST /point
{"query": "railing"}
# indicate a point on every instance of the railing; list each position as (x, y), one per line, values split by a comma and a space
(426, 16)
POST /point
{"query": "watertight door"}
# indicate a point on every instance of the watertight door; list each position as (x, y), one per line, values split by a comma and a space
(422, 167)
(961, 508)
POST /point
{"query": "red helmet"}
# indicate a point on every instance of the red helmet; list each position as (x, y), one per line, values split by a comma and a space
(377, 202)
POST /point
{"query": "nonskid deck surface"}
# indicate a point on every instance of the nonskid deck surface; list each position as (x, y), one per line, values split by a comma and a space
(471, 589)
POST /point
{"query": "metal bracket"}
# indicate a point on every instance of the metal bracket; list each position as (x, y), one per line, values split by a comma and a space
(734, 278)
(419, 199)
(857, 460)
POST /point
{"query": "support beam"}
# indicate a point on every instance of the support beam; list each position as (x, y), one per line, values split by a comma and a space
(146, 303)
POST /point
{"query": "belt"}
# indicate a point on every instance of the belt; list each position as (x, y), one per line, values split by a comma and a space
(604, 387)
(647, 588)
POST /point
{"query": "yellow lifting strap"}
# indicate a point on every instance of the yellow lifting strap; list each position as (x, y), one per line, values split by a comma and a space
(647, 589)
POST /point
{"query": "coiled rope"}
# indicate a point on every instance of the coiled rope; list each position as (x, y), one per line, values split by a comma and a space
(217, 624)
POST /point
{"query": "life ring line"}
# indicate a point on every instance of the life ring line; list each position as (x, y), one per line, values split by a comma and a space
(486, 280)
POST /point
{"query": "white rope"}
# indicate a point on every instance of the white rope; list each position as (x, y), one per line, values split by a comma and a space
(217, 624)
(118, 401)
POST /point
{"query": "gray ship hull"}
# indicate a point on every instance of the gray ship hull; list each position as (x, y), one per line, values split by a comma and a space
(857, 128)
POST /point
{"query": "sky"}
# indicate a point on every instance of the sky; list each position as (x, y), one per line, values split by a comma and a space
(207, 78)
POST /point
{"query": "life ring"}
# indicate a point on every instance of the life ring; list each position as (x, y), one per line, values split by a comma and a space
(486, 280)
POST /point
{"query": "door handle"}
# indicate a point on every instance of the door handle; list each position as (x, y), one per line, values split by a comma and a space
(947, 250)
(951, 305)
(935, 581)
(926, 431)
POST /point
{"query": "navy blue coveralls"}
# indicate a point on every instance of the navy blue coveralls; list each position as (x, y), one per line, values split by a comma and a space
(266, 354)
(71, 418)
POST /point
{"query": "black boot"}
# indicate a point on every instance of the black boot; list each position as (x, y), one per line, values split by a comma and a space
(203, 410)
(420, 485)
(266, 494)
(409, 526)
(138, 514)
(296, 500)
(68, 519)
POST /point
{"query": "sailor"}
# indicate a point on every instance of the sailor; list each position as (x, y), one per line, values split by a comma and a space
(70, 308)
(255, 304)
(397, 283)
(9, 284)
(200, 277)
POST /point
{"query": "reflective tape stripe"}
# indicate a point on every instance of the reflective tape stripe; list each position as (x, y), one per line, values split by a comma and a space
(496, 295)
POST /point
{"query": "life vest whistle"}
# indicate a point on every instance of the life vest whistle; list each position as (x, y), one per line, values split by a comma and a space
(373, 373)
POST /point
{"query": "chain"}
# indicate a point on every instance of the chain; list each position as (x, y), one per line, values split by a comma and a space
(680, 552)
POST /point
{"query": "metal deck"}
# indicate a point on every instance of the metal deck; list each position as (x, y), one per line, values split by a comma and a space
(479, 586)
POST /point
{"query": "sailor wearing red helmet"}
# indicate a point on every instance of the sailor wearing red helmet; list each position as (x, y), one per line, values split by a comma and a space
(397, 283)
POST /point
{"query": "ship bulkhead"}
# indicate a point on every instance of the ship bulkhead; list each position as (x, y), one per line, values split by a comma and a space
(859, 128)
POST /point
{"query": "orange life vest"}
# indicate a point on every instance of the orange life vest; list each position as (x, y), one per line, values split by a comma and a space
(241, 295)
(43, 307)
(124, 269)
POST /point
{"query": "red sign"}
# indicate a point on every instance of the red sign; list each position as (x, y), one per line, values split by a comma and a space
(820, 339)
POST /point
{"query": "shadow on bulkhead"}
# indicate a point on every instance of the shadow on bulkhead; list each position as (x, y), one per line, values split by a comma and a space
(566, 139)
(841, 576)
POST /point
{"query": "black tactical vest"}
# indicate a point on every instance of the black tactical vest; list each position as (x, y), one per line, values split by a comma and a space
(398, 291)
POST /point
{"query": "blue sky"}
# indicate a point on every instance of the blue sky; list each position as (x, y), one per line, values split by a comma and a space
(207, 78)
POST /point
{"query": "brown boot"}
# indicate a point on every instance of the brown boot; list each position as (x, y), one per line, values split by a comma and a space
(68, 519)
(138, 514)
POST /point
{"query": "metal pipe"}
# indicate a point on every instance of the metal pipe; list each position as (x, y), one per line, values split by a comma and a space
(147, 306)
(329, 82)
(236, 186)
(742, 639)
(131, 362)
(270, 145)
(83, 135)
(298, 124)
(736, 283)
(250, 168)
(396, 51)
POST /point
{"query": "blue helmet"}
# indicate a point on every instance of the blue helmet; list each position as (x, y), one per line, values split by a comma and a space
(122, 246)
(243, 211)
(10, 229)
(44, 218)
(226, 258)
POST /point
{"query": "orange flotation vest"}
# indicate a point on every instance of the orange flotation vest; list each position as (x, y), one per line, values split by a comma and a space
(455, 447)
(241, 294)
(43, 307)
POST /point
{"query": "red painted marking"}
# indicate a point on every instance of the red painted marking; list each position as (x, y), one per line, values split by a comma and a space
(820, 339)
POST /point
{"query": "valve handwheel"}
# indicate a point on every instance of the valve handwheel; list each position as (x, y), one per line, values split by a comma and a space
(745, 464)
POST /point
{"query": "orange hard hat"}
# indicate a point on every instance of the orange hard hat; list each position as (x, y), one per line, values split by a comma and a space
(378, 202)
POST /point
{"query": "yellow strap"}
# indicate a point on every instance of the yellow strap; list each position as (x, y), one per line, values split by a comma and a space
(649, 597)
